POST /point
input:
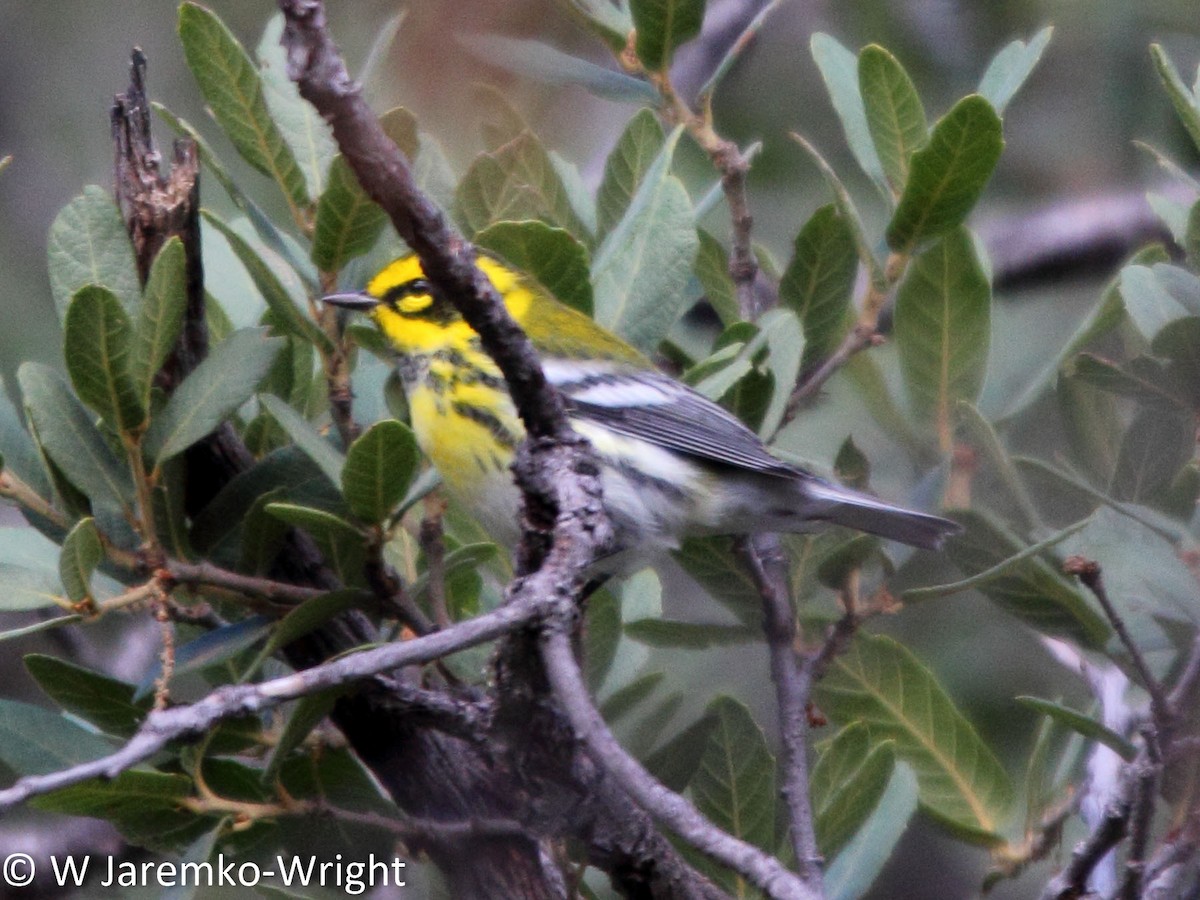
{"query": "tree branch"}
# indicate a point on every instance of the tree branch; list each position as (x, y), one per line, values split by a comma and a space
(682, 817)
(1089, 572)
(762, 556)
(165, 725)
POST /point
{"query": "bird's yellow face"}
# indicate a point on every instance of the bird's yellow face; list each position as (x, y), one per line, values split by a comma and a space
(417, 320)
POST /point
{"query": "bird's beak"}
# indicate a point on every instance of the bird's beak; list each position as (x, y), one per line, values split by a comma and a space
(357, 300)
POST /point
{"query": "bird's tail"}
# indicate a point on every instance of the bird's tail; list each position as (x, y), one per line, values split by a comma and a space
(842, 506)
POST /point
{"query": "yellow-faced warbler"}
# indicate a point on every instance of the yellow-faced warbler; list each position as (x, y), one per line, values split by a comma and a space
(674, 464)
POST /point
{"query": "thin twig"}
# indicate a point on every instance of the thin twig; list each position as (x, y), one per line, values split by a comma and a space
(793, 682)
(1145, 770)
(206, 574)
(163, 726)
(434, 546)
(1089, 573)
(1071, 883)
(763, 871)
(1189, 678)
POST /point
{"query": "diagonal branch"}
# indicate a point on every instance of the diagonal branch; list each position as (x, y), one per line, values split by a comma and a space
(165, 725)
(681, 816)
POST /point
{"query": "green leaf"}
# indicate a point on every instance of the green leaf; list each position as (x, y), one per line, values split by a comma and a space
(693, 635)
(318, 522)
(1010, 67)
(379, 467)
(88, 244)
(1029, 588)
(92, 696)
(82, 552)
(28, 587)
(460, 561)
(544, 63)
(1149, 303)
(662, 25)
(860, 862)
(675, 763)
(610, 21)
(1178, 343)
(308, 617)
(18, 453)
(160, 316)
(734, 787)
(620, 703)
(381, 47)
(853, 777)
(1081, 724)
(851, 465)
(785, 350)
(306, 133)
(1155, 447)
(895, 116)
(600, 637)
(225, 380)
(845, 205)
(818, 281)
(210, 649)
(642, 268)
(712, 271)
(96, 344)
(36, 741)
(552, 256)
(712, 563)
(307, 715)
(146, 807)
(233, 91)
(948, 174)
(631, 158)
(307, 438)
(943, 328)
(70, 438)
(839, 70)
(286, 314)
(1106, 315)
(348, 222)
(513, 182)
(1182, 97)
(880, 683)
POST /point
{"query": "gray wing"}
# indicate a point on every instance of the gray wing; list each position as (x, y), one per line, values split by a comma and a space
(660, 410)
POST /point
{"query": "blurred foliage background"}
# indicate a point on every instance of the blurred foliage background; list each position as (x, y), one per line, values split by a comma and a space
(1069, 134)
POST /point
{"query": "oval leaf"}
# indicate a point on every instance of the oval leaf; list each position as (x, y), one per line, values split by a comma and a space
(88, 244)
(734, 787)
(631, 158)
(895, 116)
(379, 467)
(662, 25)
(68, 434)
(551, 255)
(212, 391)
(96, 344)
(948, 174)
(881, 683)
(233, 91)
(81, 553)
(839, 71)
(943, 328)
(819, 280)
(643, 267)
(160, 316)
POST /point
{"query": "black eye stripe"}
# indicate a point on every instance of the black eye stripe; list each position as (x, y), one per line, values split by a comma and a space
(408, 289)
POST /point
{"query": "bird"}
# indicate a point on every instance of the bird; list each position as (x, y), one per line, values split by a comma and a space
(673, 463)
